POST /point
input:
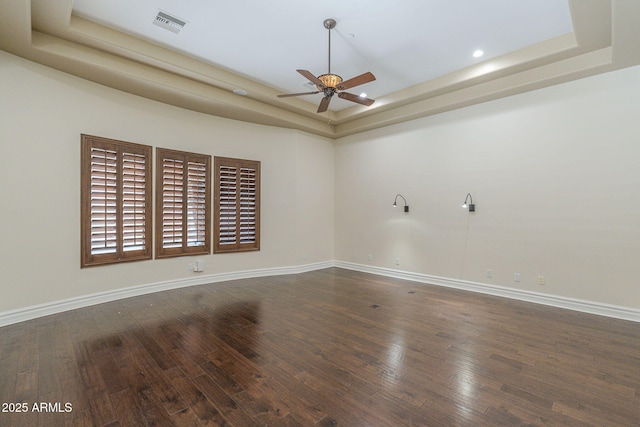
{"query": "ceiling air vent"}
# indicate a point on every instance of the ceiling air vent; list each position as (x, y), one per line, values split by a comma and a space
(169, 22)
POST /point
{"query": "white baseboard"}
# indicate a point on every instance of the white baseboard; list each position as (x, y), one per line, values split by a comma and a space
(618, 312)
(41, 310)
(33, 312)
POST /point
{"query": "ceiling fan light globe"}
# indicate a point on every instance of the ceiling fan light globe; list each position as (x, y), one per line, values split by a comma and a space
(330, 80)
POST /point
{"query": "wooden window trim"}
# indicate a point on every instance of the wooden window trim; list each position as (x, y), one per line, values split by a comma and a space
(140, 206)
(237, 245)
(183, 249)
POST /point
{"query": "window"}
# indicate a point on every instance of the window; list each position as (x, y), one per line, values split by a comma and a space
(115, 201)
(237, 205)
(183, 203)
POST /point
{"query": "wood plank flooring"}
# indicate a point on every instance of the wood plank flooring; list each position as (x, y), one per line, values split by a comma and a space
(326, 348)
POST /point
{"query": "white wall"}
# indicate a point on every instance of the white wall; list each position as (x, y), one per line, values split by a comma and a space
(554, 175)
(42, 114)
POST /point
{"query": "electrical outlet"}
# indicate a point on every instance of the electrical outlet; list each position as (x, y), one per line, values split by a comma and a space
(191, 267)
(540, 280)
(397, 261)
(516, 277)
(370, 257)
(199, 267)
(489, 273)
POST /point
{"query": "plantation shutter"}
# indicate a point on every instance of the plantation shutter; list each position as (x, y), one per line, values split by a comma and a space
(116, 201)
(172, 207)
(248, 211)
(228, 201)
(104, 201)
(134, 193)
(197, 203)
(237, 205)
(183, 198)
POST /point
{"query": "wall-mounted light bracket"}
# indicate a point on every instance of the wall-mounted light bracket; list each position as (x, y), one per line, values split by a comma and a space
(470, 205)
(395, 202)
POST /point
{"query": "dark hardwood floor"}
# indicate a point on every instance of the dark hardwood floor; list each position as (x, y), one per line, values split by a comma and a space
(326, 348)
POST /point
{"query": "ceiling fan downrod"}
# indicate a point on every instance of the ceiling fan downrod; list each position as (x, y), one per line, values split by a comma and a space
(329, 24)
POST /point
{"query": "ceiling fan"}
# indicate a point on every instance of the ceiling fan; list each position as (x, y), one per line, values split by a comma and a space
(330, 84)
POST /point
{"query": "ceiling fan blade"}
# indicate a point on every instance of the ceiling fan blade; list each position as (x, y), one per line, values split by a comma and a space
(356, 81)
(313, 79)
(355, 98)
(324, 104)
(297, 94)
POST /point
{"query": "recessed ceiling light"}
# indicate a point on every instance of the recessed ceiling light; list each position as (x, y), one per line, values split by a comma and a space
(240, 92)
(478, 53)
(363, 95)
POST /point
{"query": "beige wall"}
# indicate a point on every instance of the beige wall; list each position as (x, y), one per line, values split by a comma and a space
(553, 173)
(555, 177)
(42, 114)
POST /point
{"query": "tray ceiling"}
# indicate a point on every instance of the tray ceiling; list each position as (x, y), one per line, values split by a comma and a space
(421, 53)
